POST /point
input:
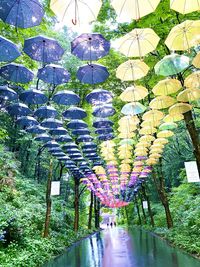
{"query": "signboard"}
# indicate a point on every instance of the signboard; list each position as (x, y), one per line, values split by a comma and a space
(192, 172)
(55, 188)
(145, 204)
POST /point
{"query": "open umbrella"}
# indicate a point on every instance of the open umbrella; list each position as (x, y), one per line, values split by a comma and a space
(193, 80)
(16, 73)
(84, 138)
(76, 124)
(162, 102)
(46, 112)
(138, 42)
(92, 73)
(134, 93)
(7, 93)
(168, 126)
(66, 98)
(189, 95)
(8, 50)
(52, 144)
(103, 130)
(133, 108)
(99, 96)
(183, 36)
(90, 46)
(18, 109)
(80, 132)
(132, 70)
(102, 123)
(27, 121)
(76, 12)
(105, 137)
(103, 111)
(171, 65)
(185, 6)
(128, 10)
(165, 134)
(43, 138)
(34, 97)
(153, 115)
(173, 118)
(36, 129)
(41, 48)
(179, 108)
(74, 113)
(63, 138)
(51, 123)
(196, 61)
(58, 131)
(167, 87)
(53, 74)
(21, 13)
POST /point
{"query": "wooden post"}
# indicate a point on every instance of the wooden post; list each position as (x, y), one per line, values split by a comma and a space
(48, 201)
(76, 204)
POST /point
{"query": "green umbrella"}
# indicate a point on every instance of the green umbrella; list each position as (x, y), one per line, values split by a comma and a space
(171, 65)
(133, 108)
(167, 126)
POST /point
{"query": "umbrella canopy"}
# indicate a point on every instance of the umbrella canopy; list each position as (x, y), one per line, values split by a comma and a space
(165, 134)
(167, 87)
(70, 146)
(134, 93)
(7, 93)
(41, 48)
(8, 50)
(80, 132)
(63, 138)
(153, 115)
(183, 36)
(138, 42)
(27, 121)
(90, 46)
(133, 108)
(33, 97)
(162, 102)
(99, 96)
(92, 73)
(76, 12)
(185, 6)
(127, 10)
(66, 98)
(193, 80)
(179, 108)
(76, 124)
(173, 118)
(36, 129)
(102, 123)
(103, 130)
(196, 61)
(89, 145)
(171, 65)
(21, 13)
(132, 70)
(51, 123)
(103, 111)
(147, 138)
(53, 74)
(18, 109)
(53, 144)
(16, 73)
(58, 131)
(105, 137)
(43, 138)
(168, 126)
(46, 112)
(84, 138)
(75, 113)
(147, 130)
(189, 95)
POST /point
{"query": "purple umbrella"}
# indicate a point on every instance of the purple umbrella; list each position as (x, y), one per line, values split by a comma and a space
(66, 98)
(8, 50)
(103, 111)
(43, 49)
(21, 13)
(92, 73)
(16, 73)
(7, 93)
(53, 74)
(99, 96)
(18, 110)
(74, 113)
(33, 97)
(46, 112)
(90, 46)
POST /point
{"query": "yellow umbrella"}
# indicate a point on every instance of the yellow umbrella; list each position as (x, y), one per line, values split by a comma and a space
(156, 150)
(167, 87)
(183, 36)
(132, 70)
(126, 135)
(130, 120)
(134, 93)
(147, 123)
(125, 156)
(179, 108)
(138, 42)
(76, 12)
(138, 163)
(155, 156)
(108, 144)
(140, 154)
(127, 128)
(128, 10)
(147, 138)
(158, 145)
(113, 162)
(193, 80)
(151, 161)
(162, 141)
(162, 102)
(125, 146)
(126, 161)
(147, 130)
(196, 61)
(189, 95)
(165, 134)
(173, 118)
(185, 6)
(143, 144)
(153, 115)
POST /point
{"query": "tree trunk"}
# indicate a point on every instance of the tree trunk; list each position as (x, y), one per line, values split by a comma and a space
(146, 196)
(48, 201)
(76, 204)
(96, 212)
(143, 211)
(138, 210)
(90, 210)
(189, 121)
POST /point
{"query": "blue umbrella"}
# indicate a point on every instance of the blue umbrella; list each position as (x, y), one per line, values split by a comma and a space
(7, 93)
(105, 137)
(8, 50)
(69, 163)
(52, 144)
(35, 97)
(63, 158)
(74, 113)
(73, 151)
(16, 73)
(103, 111)
(103, 131)
(51, 123)
(102, 123)
(27, 121)
(21, 13)
(58, 154)
(80, 132)
(91, 150)
(89, 145)
(43, 49)
(66, 98)
(92, 73)
(76, 124)
(36, 129)
(46, 112)
(70, 146)
(43, 138)
(64, 138)
(84, 138)
(99, 96)
(90, 46)
(18, 109)
(53, 74)
(58, 131)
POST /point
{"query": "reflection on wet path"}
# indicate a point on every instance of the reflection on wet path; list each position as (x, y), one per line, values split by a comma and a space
(119, 247)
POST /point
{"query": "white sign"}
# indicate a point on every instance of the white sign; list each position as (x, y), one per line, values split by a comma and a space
(145, 204)
(192, 172)
(55, 188)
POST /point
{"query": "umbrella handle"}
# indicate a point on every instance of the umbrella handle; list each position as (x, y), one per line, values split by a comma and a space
(74, 21)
